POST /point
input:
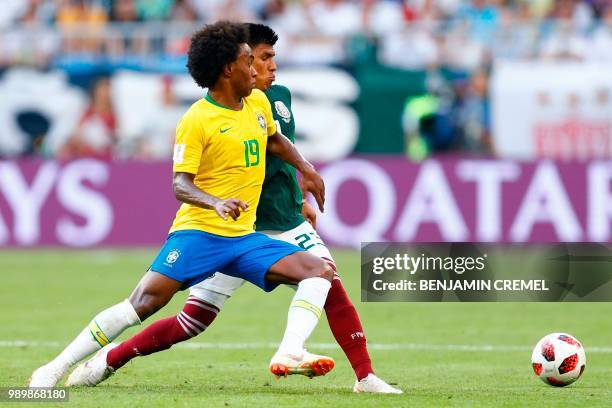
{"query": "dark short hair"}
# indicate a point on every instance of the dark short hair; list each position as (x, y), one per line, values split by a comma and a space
(212, 48)
(261, 34)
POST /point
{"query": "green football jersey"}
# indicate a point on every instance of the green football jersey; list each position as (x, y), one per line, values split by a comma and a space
(280, 205)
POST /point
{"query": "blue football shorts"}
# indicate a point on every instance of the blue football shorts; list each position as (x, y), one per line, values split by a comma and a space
(190, 256)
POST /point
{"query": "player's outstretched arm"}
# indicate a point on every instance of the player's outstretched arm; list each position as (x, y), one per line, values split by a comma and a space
(186, 191)
(282, 148)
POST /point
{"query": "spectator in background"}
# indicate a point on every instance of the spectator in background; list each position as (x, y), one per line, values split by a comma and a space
(130, 39)
(564, 44)
(175, 42)
(430, 10)
(414, 47)
(601, 7)
(29, 40)
(153, 10)
(429, 121)
(209, 10)
(600, 44)
(157, 140)
(273, 9)
(482, 18)
(183, 11)
(334, 17)
(95, 134)
(538, 9)
(564, 31)
(255, 6)
(314, 32)
(474, 114)
(12, 10)
(517, 34)
(124, 11)
(159, 10)
(460, 50)
(289, 18)
(381, 17)
(232, 10)
(205, 8)
(35, 125)
(38, 12)
(82, 23)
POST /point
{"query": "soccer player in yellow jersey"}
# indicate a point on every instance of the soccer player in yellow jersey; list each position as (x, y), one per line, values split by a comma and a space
(282, 215)
(219, 164)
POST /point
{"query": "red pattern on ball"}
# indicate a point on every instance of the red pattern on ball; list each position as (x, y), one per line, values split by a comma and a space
(568, 364)
(570, 340)
(548, 351)
(555, 382)
(537, 368)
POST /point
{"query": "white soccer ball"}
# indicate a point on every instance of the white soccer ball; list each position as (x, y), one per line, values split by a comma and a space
(558, 359)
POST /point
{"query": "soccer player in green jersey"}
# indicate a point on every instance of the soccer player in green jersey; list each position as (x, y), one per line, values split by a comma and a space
(282, 214)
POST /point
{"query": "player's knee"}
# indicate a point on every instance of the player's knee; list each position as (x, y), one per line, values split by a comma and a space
(146, 305)
(328, 272)
(214, 298)
(322, 270)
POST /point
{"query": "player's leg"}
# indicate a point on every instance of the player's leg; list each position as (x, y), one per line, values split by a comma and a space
(308, 301)
(261, 255)
(152, 292)
(266, 263)
(346, 327)
(342, 316)
(201, 308)
(182, 260)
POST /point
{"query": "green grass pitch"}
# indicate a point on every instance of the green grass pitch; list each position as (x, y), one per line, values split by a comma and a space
(48, 296)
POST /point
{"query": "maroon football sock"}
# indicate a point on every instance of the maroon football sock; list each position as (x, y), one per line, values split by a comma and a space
(346, 327)
(195, 317)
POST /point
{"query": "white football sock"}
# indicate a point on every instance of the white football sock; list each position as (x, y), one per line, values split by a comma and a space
(103, 329)
(304, 313)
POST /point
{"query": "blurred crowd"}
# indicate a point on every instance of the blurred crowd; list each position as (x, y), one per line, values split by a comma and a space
(408, 33)
(462, 36)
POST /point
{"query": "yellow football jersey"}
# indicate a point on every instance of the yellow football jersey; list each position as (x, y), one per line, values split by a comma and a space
(226, 150)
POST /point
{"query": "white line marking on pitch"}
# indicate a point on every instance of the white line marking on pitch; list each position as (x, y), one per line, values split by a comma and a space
(272, 345)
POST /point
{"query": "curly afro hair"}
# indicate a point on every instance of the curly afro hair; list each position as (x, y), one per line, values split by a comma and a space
(212, 48)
